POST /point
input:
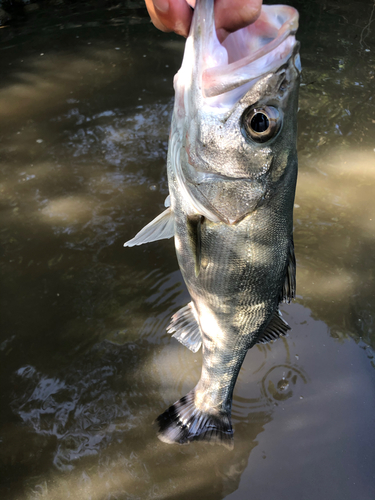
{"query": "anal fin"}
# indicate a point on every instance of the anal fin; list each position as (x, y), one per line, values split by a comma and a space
(276, 328)
(185, 328)
(162, 227)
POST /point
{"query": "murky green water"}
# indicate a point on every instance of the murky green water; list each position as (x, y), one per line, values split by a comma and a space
(86, 364)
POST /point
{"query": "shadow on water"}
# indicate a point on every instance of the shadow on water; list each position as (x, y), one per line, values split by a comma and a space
(86, 362)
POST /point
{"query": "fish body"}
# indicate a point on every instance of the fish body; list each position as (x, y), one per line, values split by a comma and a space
(232, 170)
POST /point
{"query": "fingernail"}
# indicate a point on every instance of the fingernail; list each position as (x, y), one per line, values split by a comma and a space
(162, 6)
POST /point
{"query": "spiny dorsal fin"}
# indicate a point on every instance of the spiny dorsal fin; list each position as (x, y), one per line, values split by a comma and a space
(185, 328)
(289, 288)
(277, 328)
(160, 228)
(194, 226)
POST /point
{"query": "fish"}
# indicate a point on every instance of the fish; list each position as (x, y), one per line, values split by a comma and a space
(232, 172)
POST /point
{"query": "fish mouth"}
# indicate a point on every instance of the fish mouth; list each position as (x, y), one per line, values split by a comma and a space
(254, 51)
(245, 55)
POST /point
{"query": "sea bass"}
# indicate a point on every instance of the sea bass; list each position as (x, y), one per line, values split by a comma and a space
(232, 170)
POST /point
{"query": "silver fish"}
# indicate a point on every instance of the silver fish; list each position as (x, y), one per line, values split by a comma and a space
(232, 170)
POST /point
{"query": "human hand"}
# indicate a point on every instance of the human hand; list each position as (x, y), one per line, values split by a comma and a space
(230, 15)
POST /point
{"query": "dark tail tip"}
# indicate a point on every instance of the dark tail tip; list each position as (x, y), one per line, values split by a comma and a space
(183, 422)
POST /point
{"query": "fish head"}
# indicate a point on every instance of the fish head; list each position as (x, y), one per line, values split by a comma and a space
(234, 125)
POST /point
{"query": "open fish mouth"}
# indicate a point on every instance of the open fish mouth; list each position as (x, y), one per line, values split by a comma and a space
(254, 51)
(245, 55)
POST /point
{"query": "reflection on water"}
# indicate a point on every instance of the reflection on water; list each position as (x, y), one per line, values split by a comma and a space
(86, 362)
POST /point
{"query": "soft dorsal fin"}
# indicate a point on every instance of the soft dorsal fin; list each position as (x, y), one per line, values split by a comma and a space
(185, 328)
(160, 228)
(277, 328)
(194, 227)
(288, 291)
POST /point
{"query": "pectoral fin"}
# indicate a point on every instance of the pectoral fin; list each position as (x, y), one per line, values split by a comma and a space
(160, 228)
(194, 226)
(277, 328)
(289, 288)
(185, 328)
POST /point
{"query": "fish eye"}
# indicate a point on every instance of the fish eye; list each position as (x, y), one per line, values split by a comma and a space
(261, 124)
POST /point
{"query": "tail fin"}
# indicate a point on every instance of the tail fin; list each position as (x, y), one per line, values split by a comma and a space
(183, 422)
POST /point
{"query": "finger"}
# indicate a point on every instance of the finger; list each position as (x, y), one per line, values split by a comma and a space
(234, 15)
(154, 16)
(170, 15)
